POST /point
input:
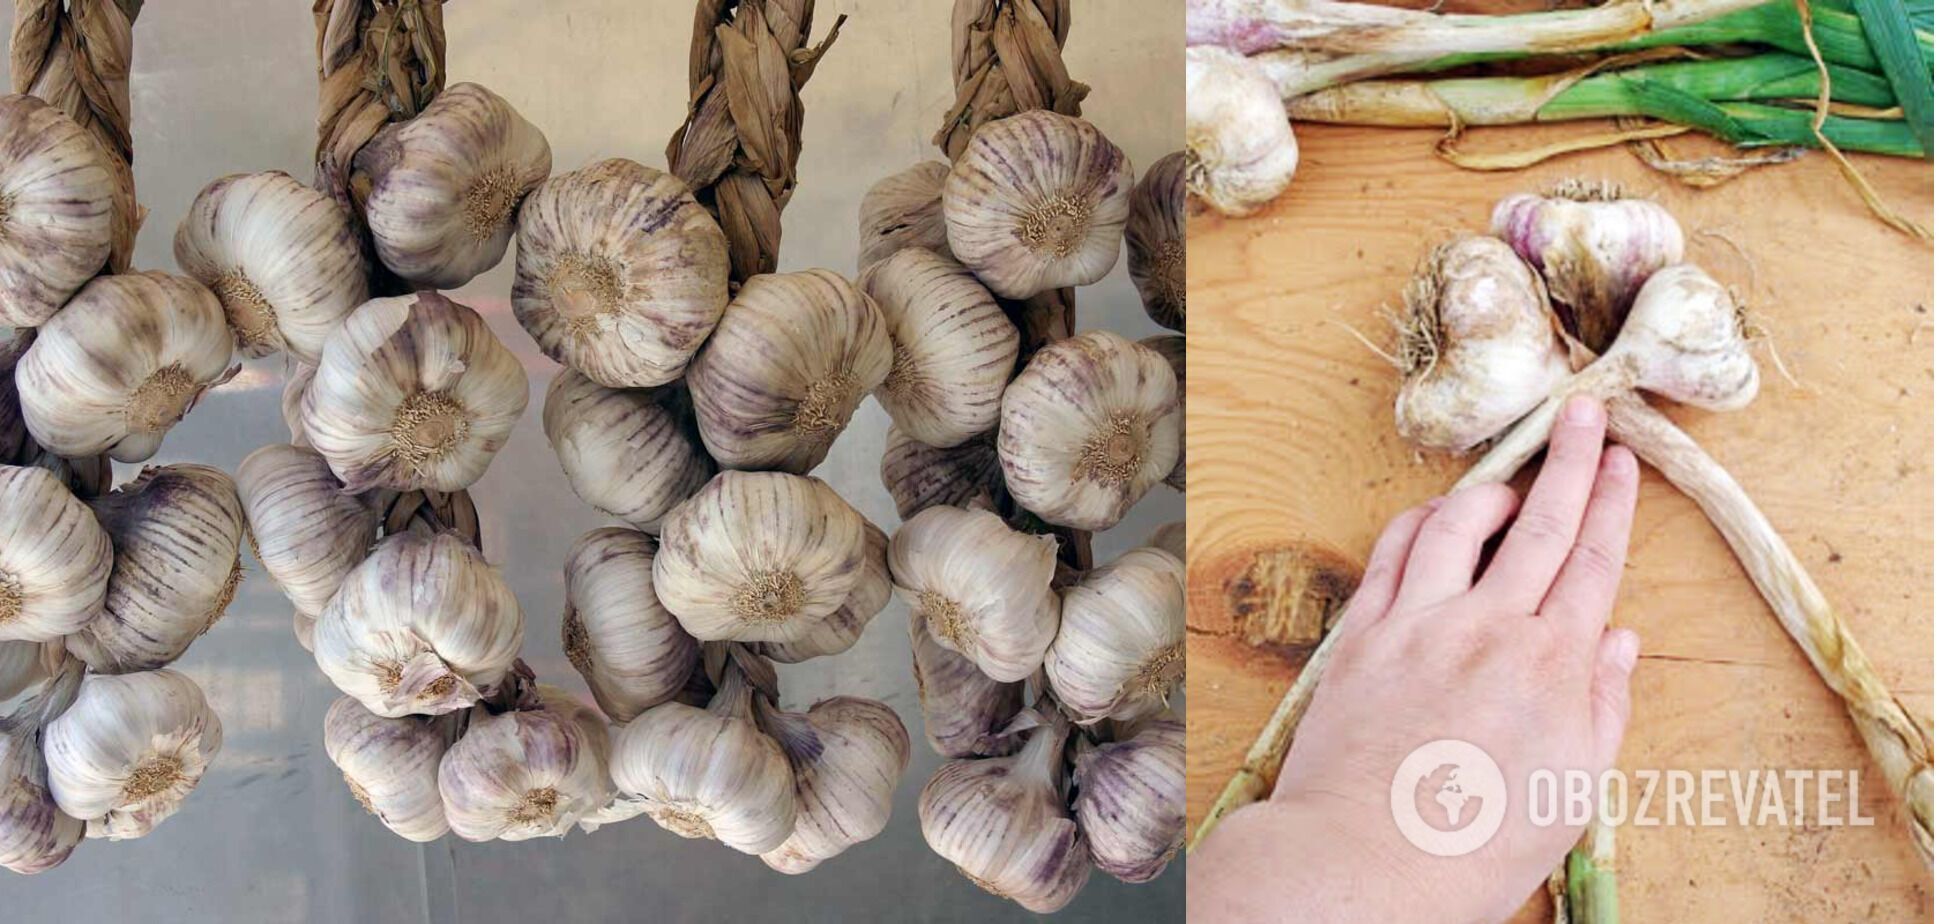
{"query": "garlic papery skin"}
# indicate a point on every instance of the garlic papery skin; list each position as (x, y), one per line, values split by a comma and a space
(1476, 345)
(1686, 339)
(848, 754)
(308, 532)
(920, 476)
(953, 349)
(1121, 649)
(983, 589)
(1003, 822)
(297, 378)
(129, 750)
(422, 626)
(20, 667)
(57, 191)
(522, 774)
(1088, 427)
(1171, 538)
(1133, 800)
(178, 537)
(1037, 201)
(965, 711)
(628, 453)
(903, 210)
(1595, 249)
(759, 557)
(837, 632)
(1174, 349)
(281, 256)
(1241, 148)
(444, 186)
(413, 392)
(793, 357)
(54, 557)
(619, 273)
(391, 766)
(35, 835)
(1157, 241)
(630, 650)
(117, 367)
(709, 772)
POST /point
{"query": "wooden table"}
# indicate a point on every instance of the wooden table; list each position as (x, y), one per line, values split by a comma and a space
(1292, 453)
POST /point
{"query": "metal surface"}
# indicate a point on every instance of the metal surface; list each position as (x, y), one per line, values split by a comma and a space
(271, 834)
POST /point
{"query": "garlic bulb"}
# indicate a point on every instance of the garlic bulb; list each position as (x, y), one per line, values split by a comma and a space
(391, 766)
(920, 476)
(619, 274)
(759, 557)
(1174, 348)
(1037, 201)
(1476, 345)
(794, 355)
(522, 774)
(1595, 249)
(848, 754)
(1157, 241)
(631, 651)
(129, 750)
(35, 835)
(297, 378)
(178, 537)
(984, 590)
(1121, 649)
(1171, 538)
(413, 392)
(422, 626)
(444, 186)
(54, 557)
(281, 256)
(837, 632)
(1685, 339)
(952, 347)
(709, 772)
(903, 210)
(56, 209)
(1241, 148)
(307, 531)
(966, 713)
(116, 368)
(1003, 822)
(1091, 423)
(1133, 801)
(627, 453)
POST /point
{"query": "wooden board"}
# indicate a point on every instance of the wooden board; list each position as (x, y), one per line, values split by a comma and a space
(1291, 447)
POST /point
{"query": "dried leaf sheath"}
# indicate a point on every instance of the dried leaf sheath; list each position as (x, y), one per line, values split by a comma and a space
(1006, 60)
(378, 61)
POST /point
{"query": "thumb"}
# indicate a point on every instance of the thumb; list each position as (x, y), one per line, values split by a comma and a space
(1612, 669)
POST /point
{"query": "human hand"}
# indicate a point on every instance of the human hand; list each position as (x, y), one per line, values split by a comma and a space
(1517, 661)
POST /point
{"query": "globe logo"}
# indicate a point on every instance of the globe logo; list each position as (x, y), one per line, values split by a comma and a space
(1448, 797)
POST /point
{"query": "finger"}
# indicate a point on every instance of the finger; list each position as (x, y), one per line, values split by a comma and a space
(1528, 560)
(1445, 554)
(1373, 597)
(1613, 666)
(1583, 596)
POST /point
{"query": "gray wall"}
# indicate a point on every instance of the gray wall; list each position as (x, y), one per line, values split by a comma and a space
(271, 835)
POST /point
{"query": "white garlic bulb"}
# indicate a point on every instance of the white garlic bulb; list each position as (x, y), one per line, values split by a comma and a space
(620, 274)
(54, 557)
(919, 476)
(117, 367)
(178, 537)
(522, 774)
(413, 392)
(1157, 241)
(848, 754)
(952, 347)
(709, 772)
(281, 256)
(1037, 201)
(793, 357)
(57, 208)
(903, 210)
(759, 557)
(837, 632)
(129, 750)
(35, 835)
(1133, 800)
(626, 452)
(307, 531)
(1091, 423)
(391, 766)
(1241, 149)
(444, 186)
(422, 626)
(630, 650)
(1174, 349)
(1121, 649)
(966, 713)
(1003, 822)
(984, 590)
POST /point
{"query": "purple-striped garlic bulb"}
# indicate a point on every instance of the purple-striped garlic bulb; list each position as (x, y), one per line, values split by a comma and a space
(1595, 248)
(952, 347)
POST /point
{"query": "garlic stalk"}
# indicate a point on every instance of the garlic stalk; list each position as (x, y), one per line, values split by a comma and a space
(57, 207)
(837, 632)
(1595, 248)
(920, 476)
(966, 713)
(615, 632)
(1157, 241)
(1003, 822)
(35, 835)
(1121, 648)
(1241, 149)
(953, 349)
(905, 209)
(126, 754)
(308, 532)
(523, 774)
(983, 589)
(1133, 800)
(848, 754)
(626, 452)
(391, 766)
(54, 557)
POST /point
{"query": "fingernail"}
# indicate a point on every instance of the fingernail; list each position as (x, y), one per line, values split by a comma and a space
(1582, 410)
(1619, 461)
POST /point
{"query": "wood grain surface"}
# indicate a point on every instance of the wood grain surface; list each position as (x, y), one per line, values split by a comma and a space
(1292, 453)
